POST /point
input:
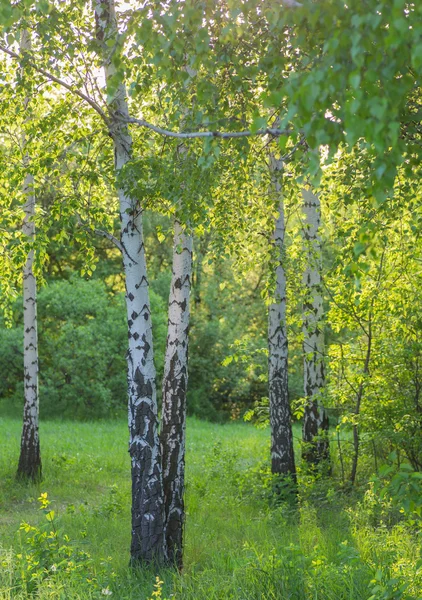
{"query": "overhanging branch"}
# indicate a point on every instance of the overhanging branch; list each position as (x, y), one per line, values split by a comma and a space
(205, 134)
(275, 132)
(64, 84)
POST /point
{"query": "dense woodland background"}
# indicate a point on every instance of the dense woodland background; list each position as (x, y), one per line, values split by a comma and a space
(83, 334)
(122, 124)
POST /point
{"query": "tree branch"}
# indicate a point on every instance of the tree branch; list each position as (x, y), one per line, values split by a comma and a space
(69, 87)
(141, 122)
(109, 236)
(101, 233)
(205, 134)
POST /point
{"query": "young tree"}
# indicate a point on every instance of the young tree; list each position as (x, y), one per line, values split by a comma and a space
(175, 380)
(315, 422)
(372, 284)
(282, 452)
(29, 467)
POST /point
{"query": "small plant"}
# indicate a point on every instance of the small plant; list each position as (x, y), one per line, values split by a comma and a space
(112, 505)
(46, 554)
(223, 463)
(385, 587)
(157, 594)
(259, 415)
(403, 490)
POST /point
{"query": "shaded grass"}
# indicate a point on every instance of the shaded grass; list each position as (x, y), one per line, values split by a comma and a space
(239, 544)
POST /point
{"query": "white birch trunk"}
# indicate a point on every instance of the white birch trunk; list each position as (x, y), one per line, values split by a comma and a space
(175, 380)
(29, 466)
(315, 422)
(282, 453)
(147, 542)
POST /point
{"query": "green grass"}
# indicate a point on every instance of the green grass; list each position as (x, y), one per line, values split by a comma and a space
(239, 544)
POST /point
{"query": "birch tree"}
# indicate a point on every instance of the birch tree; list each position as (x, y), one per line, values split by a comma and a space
(282, 452)
(315, 421)
(161, 33)
(175, 380)
(29, 467)
(147, 489)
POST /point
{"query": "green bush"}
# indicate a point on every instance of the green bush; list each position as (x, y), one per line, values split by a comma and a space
(82, 345)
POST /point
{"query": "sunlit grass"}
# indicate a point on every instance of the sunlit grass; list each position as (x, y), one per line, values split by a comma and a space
(239, 544)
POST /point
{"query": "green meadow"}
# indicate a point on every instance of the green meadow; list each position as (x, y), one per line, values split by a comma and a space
(242, 540)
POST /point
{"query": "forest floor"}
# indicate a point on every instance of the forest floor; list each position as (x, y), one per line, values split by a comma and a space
(239, 544)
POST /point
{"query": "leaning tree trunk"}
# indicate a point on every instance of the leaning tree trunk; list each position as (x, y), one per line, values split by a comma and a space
(315, 422)
(282, 453)
(173, 424)
(29, 467)
(147, 543)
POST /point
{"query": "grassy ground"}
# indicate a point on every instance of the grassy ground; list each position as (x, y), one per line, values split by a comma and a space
(239, 545)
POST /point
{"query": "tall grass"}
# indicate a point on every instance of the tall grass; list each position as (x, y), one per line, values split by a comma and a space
(240, 543)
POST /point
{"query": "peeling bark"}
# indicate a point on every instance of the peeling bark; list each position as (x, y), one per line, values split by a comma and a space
(147, 541)
(173, 424)
(315, 422)
(29, 467)
(282, 452)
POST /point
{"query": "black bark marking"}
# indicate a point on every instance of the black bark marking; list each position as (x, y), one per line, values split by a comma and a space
(147, 346)
(143, 388)
(30, 466)
(144, 280)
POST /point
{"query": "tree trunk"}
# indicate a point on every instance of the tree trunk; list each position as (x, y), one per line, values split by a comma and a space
(359, 396)
(173, 424)
(29, 467)
(282, 452)
(316, 448)
(198, 275)
(147, 542)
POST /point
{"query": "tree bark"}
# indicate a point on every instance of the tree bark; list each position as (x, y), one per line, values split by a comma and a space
(147, 542)
(316, 448)
(173, 424)
(29, 467)
(282, 452)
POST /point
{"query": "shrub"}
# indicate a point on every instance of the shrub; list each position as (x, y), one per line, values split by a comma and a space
(82, 345)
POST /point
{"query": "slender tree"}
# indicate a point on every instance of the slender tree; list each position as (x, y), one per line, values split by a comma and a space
(144, 446)
(29, 467)
(282, 452)
(175, 379)
(315, 421)
(358, 401)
